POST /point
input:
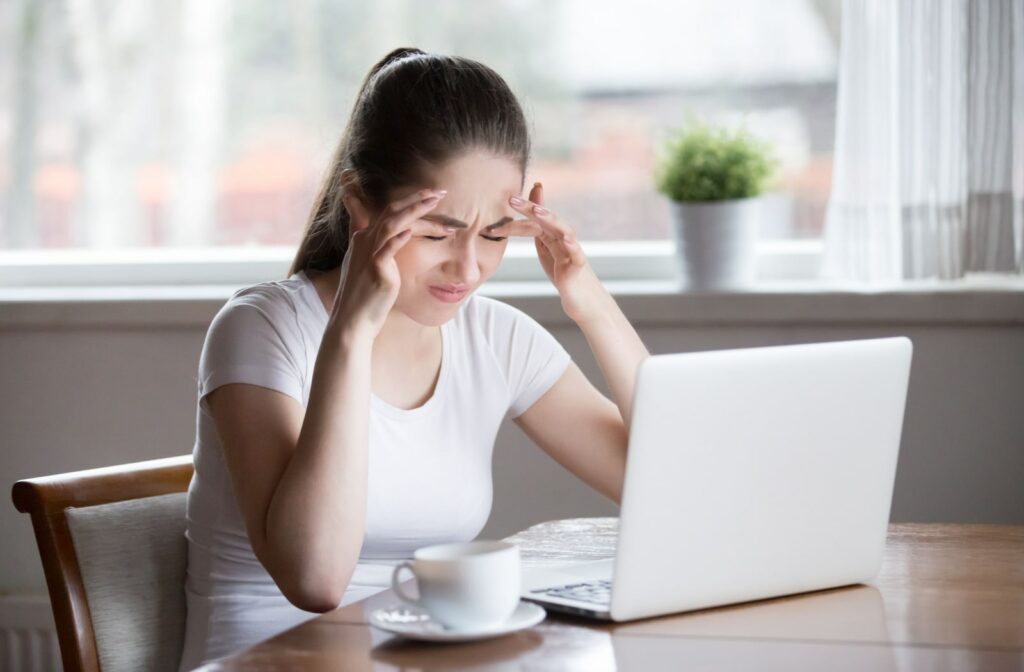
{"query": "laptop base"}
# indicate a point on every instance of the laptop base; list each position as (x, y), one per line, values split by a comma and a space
(599, 614)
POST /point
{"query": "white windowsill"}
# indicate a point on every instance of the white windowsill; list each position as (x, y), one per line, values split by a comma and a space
(185, 288)
(647, 302)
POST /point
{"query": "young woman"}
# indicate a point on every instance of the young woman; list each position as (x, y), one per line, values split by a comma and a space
(347, 414)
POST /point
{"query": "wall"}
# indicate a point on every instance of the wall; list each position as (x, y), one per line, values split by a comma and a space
(95, 383)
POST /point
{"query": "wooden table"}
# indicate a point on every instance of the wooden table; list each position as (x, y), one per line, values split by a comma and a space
(947, 597)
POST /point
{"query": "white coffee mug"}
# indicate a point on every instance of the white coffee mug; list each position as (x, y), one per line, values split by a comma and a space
(466, 586)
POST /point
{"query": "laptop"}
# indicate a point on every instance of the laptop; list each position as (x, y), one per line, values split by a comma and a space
(751, 473)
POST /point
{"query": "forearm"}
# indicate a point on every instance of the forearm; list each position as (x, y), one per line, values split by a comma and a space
(316, 519)
(618, 351)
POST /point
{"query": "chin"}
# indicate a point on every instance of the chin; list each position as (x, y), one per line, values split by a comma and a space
(430, 312)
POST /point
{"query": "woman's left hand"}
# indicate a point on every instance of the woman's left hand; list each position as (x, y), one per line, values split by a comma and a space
(583, 296)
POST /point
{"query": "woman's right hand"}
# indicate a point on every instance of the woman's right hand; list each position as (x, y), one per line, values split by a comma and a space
(369, 282)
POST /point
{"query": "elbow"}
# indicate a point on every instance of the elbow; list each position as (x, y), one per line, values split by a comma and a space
(314, 582)
(309, 589)
(316, 597)
(317, 604)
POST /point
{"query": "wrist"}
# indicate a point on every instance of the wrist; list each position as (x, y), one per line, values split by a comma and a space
(600, 312)
(349, 336)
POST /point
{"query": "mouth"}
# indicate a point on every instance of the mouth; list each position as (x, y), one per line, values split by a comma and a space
(447, 295)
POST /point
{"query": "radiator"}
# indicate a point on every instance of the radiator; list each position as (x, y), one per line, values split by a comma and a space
(28, 638)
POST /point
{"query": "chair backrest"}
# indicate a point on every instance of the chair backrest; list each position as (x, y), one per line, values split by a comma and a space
(114, 553)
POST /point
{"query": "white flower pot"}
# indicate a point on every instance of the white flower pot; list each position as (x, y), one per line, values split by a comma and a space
(716, 242)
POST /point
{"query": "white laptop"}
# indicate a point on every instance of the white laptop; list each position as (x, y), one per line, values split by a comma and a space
(750, 474)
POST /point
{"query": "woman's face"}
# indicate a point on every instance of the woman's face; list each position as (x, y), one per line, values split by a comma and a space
(463, 255)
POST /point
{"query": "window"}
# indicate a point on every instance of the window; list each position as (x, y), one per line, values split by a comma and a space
(207, 123)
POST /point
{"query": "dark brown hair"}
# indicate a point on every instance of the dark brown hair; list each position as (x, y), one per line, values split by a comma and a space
(414, 111)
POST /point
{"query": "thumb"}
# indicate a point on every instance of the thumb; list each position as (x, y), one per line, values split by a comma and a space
(537, 193)
(547, 261)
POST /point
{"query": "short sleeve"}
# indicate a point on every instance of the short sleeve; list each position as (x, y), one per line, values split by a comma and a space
(531, 359)
(251, 341)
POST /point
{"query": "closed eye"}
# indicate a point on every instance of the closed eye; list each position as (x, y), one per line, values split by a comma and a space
(493, 240)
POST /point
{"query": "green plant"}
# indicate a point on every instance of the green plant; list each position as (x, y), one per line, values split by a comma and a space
(714, 164)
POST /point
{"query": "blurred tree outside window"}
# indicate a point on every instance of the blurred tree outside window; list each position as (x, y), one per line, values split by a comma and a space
(204, 123)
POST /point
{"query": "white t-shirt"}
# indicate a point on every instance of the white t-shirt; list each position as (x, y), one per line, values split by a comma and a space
(429, 479)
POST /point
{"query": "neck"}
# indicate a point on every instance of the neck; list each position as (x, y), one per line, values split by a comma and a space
(401, 333)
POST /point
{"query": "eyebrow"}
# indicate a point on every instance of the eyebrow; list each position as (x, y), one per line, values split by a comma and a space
(454, 223)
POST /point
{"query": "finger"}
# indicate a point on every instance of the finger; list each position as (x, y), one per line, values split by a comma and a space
(412, 199)
(548, 222)
(392, 245)
(551, 224)
(553, 244)
(547, 259)
(553, 247)
(537, 198)
(558, 239)
(386, 216)
(549, 243)
(547, 262)
(393, 223)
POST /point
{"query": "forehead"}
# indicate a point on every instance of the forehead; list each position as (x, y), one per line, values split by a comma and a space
(477, 172)
(474, 180)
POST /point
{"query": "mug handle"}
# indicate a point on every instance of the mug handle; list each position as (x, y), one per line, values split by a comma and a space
(395, 585)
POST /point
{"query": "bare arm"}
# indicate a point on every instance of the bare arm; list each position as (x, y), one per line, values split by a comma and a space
(618, 350)
(595, 451)
(300, 478)
(317, 517)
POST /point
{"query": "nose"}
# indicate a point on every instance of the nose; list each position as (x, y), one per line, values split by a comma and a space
(461, 266)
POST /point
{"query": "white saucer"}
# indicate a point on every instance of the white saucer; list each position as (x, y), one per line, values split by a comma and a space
(414, 623)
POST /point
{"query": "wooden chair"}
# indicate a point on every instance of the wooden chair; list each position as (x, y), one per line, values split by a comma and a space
(114, 553)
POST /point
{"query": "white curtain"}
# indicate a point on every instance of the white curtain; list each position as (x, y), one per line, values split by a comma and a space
(928, 177)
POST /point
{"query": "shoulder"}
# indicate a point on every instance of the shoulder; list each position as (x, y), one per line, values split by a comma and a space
(267, 307)
(273, 297)
(505, 327)
(255, 338)
(528, 356)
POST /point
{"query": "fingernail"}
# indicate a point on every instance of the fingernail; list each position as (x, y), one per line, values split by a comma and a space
(440, 192)
(515, 200)
(540, 210)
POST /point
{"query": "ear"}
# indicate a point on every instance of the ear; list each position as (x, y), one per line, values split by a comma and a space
(354, 201)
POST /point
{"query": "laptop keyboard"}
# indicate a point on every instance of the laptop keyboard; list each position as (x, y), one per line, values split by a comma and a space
(596, 592)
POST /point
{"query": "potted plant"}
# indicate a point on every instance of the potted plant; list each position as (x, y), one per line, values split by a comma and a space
(715, 180)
